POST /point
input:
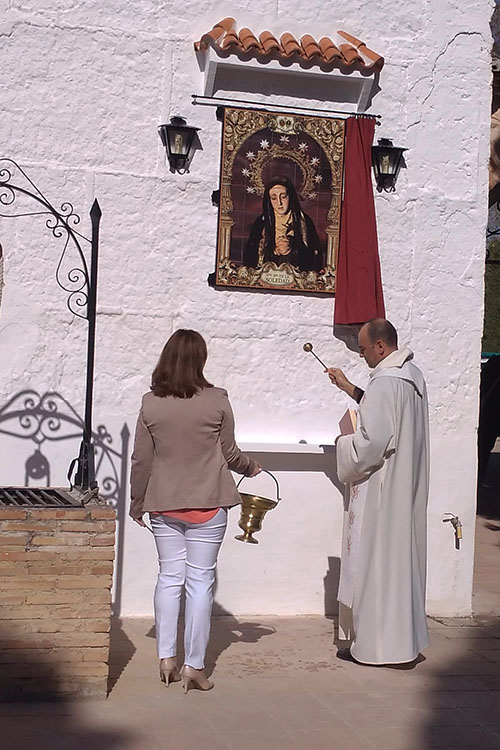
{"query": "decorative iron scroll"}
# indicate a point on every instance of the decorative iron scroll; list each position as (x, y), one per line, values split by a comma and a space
(71, 276)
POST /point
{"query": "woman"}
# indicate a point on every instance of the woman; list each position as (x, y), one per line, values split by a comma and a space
(183, 456)
(283, 233)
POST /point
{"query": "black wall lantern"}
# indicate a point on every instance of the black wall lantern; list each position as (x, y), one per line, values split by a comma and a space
(179, 140)
(387, 160)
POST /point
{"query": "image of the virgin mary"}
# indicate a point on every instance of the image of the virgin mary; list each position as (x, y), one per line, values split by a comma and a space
(283, 233)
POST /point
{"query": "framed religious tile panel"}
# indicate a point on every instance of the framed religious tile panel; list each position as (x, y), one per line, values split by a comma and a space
(280, 197)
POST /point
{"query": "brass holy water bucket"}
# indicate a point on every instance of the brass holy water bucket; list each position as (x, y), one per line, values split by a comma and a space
(253, 510)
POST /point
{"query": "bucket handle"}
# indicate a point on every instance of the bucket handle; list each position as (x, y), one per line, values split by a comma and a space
(265, 471)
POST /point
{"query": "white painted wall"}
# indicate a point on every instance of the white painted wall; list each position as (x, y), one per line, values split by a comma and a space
(83, 87)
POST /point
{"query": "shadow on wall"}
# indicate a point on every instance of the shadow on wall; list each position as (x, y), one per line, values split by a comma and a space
(331, 587)
(40, 419)
(348, 333)
(325, 463)
(255, 81)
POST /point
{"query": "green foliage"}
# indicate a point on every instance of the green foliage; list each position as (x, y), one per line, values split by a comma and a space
(491, 331)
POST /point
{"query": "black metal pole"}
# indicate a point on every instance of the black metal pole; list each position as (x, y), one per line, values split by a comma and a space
(85, 475)
(213, 101)
(95, 217)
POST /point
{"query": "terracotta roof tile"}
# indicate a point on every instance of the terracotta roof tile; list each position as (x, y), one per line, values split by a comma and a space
(248, 40)
(362, 46)
(268, 42)
(231, 39)
(220, 29)
(329, 50)
(289, 45)
(310, 46)
(352, 54)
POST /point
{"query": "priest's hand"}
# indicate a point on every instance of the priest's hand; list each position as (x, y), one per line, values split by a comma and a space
(338, 378)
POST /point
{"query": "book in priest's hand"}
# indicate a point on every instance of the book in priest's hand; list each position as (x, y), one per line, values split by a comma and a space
(347, 424)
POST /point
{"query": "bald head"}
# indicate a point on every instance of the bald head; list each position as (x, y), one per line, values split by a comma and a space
(377, 339)
(380, 329)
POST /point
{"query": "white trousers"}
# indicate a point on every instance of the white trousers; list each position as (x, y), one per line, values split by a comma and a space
(187, 556)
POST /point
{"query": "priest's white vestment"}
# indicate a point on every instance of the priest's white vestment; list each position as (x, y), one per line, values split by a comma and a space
(383, 575)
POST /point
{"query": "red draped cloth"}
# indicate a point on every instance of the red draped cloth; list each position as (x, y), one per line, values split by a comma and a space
(359, 295)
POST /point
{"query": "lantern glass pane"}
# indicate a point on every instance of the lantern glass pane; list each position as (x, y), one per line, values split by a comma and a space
(178, 139)
(386, 163)
(399, 161)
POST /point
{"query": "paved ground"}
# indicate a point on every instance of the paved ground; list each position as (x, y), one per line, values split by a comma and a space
(279, 685)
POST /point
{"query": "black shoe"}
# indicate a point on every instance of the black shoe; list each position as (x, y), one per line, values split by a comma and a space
(345, 655)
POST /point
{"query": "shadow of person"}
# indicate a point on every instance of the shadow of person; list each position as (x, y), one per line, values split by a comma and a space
(228, 629)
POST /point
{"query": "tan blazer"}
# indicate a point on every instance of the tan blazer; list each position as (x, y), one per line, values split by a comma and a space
(184, 453)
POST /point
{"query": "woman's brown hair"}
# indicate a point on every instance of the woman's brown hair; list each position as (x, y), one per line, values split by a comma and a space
(179, 371)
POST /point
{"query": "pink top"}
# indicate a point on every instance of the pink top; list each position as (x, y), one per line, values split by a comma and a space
(199, 515)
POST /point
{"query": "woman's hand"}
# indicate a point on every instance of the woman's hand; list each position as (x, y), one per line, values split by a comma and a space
(282, 246)
(257, 470)
(140, 522)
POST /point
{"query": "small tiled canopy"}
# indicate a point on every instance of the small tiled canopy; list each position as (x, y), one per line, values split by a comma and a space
(352, 54)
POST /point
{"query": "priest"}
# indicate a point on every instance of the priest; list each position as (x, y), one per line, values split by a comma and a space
(385, 465)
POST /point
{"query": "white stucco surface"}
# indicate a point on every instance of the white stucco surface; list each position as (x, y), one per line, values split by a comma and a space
(84, 85)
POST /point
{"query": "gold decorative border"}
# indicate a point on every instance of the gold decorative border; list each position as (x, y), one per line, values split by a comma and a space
(240, 124)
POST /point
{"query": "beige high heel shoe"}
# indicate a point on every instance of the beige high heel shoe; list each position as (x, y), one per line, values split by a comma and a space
(195, 676)
(169, 671)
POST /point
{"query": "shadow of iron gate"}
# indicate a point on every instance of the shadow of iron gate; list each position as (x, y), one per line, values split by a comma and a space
(77, 279)
(50, 417)
(40, 419)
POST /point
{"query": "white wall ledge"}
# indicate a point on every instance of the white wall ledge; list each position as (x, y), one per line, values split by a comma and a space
(331, 85)
(284, 448)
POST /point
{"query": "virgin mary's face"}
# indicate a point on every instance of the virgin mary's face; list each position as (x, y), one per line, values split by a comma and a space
(278, 196)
